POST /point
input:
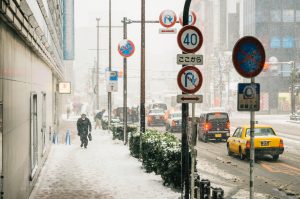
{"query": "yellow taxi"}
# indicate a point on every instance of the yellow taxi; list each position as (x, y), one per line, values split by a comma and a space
(266, 142)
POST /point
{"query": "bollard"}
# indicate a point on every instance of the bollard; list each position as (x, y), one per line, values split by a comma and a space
(68, 138)
(204, 189)
(218, 193)
(197, 186)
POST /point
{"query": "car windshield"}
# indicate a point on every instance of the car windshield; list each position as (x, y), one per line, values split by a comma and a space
(160, 106)
(176, 115)
(261, 132)
(157, 111)
(213, 116)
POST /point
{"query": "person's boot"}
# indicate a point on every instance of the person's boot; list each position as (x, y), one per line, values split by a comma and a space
(81, 145)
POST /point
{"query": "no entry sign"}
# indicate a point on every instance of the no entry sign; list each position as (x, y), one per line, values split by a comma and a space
(190, 39)
(167, 18)
(248, 56)
(126, 48)
(189, 79)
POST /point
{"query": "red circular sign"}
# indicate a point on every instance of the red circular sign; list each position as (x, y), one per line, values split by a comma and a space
(190, 39)
(192, 18)
(189, 79)
(248, 56)
(167, 18)
(126, 48)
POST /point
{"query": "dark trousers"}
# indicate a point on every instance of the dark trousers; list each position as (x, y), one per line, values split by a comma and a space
(84, 139)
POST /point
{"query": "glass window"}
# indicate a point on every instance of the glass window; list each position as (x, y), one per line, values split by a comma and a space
(261, 132)
(221, 116)
(286, 70)
(275, 42)
(298, 15)
(287, 42)
(275, 15)
(288, 16)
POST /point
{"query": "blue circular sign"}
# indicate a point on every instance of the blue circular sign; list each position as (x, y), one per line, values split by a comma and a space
(248, 57)
(126, 48)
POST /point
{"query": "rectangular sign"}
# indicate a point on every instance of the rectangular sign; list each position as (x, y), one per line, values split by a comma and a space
(112, 81)
(167, 31)
(248, 97)
(189, 59)
(189, 98)
(64, 87)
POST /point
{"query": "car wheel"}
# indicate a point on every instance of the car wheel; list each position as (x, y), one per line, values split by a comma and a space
(241, 155)
(275, 157)
(228, 150)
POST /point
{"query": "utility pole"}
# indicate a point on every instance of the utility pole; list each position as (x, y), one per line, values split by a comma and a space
(97, 67)
(109, 67)
(125, 85)
(185, 168)
(142, 100)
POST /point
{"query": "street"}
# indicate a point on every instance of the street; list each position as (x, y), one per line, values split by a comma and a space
(279, 179)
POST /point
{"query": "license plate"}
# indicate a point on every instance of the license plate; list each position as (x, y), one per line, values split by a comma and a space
(218, 135)
(264, 143)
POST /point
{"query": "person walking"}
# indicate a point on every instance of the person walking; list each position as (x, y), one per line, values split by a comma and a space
(98, 118)
(84, 128)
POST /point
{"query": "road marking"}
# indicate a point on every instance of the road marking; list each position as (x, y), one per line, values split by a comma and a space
(280, 168)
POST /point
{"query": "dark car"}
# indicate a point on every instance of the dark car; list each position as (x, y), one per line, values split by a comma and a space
(214, 126)
(156, 117)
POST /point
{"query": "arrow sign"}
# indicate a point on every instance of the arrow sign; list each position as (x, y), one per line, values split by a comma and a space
(189, 98)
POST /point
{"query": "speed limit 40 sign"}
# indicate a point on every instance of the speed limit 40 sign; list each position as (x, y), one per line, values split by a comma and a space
(190, 39)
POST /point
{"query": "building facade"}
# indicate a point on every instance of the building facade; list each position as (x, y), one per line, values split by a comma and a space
(31, 66)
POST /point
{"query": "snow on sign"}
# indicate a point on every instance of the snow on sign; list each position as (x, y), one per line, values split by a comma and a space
(189, 79)
(192, 18)
(190, 39)
(248, 57)
(126, 48)
(167, 18)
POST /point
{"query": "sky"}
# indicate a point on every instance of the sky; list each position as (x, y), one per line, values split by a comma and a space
(161, 50)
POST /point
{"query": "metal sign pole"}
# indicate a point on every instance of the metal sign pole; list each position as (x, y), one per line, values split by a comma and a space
(193, 153)
(125, 85)
(184, 142)
(252, 151)
(109, 65)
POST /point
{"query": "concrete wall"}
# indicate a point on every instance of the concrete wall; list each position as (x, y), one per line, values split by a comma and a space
(22, 72)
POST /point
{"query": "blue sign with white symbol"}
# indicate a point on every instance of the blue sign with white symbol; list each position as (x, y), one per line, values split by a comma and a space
(248, 97)
(113, 76)
(248, 57)
(167, 18)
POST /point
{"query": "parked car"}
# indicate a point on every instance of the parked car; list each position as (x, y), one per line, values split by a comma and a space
(295, 116)
(173, 122)
(214, 126)
(266, 142)
(156, 117)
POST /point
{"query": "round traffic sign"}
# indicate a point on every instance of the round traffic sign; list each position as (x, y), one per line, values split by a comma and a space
(192, 18)
(190, 39)
(189, 79)
(126, 48)
(167, 18)
(248, 56)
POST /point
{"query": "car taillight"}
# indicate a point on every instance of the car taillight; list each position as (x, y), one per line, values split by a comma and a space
(207, 126)
(248, 144)
(150, 118)
(281, 144)
(228, 125)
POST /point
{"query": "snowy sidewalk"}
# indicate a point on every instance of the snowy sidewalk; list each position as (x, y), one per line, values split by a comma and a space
(104, 170)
